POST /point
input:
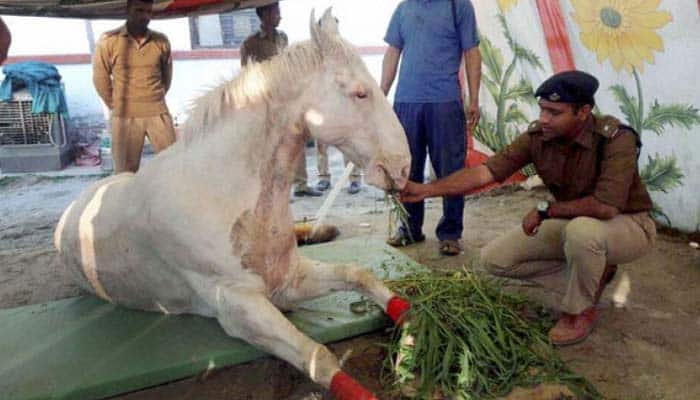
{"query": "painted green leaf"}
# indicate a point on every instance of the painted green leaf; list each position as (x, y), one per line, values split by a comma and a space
(657, 213)
(490, 85)
(522, 91)
(485, 133)
(492, 58)
(506, 31)
(672, 114)
(520, 52)
(627, 104)
(527, 56)
(496, 132)
(661, 174)
(514, 115)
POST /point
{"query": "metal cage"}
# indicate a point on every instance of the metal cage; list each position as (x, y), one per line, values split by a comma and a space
(31, 142)
(19, 126)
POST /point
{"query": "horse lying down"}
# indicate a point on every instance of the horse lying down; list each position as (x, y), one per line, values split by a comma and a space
(206, 228)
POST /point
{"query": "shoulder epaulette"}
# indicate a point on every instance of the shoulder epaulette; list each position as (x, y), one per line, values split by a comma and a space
(110, 33)
(608, 126)
(534, 127)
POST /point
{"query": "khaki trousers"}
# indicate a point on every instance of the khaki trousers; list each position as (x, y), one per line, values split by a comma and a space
(300, 176)
(129, 133)
(583, 246)
(325, 174)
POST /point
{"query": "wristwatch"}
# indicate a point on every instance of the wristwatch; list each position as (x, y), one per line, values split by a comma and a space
(543, 209)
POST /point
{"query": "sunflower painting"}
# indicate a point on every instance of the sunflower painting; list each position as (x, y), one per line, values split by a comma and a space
(625, 32)
(621, 30)
(506, 5)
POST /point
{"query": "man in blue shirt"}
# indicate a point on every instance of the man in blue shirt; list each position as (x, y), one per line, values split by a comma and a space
(431, 37)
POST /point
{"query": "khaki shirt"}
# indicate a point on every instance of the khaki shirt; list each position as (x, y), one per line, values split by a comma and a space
(260, 46)
(578, 170)
(132, 78)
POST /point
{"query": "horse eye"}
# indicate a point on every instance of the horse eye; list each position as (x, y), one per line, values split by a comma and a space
(361, 94)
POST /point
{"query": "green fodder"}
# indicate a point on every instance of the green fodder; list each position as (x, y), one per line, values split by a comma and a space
(466, 338)
(398, 216)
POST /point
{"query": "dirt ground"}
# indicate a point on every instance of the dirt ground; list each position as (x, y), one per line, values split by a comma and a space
(646, 345)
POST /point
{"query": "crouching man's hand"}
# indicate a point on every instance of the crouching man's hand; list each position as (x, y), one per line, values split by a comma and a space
(531, 222)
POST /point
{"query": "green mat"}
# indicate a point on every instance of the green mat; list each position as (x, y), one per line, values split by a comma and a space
(85, 348)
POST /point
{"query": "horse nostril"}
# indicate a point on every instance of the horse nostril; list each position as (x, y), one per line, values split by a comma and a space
(405, 171)
(382, 170)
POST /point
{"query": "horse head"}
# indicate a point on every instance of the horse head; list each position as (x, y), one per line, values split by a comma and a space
(344, 107)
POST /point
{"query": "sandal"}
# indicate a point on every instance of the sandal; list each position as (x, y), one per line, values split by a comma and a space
(450, 247)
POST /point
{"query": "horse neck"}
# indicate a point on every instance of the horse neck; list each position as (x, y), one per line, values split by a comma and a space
(261, 143)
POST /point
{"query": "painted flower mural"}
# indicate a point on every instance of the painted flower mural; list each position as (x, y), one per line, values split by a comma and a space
(506, 5)
(508, 93)
(621, 30)
(624, 32)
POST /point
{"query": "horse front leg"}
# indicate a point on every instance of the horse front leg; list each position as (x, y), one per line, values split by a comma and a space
(318, 279)
(249, 315)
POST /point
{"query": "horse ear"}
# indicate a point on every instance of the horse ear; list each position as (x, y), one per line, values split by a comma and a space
(315, 29)
(325, 31)
(329, 23)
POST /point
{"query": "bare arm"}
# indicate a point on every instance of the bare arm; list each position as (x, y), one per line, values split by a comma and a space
(456, 184)
(5, 41)
(472, 62)
(102, 73)
(389, 66)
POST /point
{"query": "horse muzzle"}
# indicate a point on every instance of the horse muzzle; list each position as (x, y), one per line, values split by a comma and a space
(390, 175)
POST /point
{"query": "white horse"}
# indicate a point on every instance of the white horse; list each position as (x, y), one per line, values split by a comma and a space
(206, 228)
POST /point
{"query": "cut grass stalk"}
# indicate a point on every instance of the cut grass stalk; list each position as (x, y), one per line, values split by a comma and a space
(466, 338)
(398, 215)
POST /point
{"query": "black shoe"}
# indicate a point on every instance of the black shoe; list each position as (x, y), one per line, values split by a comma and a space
(323, 185)
(401, 239)
(307, 191)
(354, 188)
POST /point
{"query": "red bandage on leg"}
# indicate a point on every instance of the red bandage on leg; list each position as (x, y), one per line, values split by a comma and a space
(343, 387)
(396, 307)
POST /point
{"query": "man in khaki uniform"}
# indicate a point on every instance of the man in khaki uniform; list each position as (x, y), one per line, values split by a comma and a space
(600, 215)
(132, 72)
(261, 46)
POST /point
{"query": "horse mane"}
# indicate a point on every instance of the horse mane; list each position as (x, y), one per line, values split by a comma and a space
(277, 78)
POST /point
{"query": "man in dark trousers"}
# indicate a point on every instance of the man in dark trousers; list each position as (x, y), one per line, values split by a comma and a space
(600, 213)
(431, 38)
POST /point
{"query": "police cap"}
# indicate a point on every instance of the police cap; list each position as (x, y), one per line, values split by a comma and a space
(569, 87)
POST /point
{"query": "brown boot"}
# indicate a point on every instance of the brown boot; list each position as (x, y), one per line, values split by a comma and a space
(573, 328)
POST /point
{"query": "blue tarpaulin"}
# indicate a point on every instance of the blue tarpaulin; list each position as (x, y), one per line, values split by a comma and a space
(43, 82)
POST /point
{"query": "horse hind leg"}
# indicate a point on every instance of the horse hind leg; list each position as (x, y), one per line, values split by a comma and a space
(249, 315)
(320, 278)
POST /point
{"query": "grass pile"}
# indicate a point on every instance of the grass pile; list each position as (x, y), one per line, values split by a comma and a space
(467, 338)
